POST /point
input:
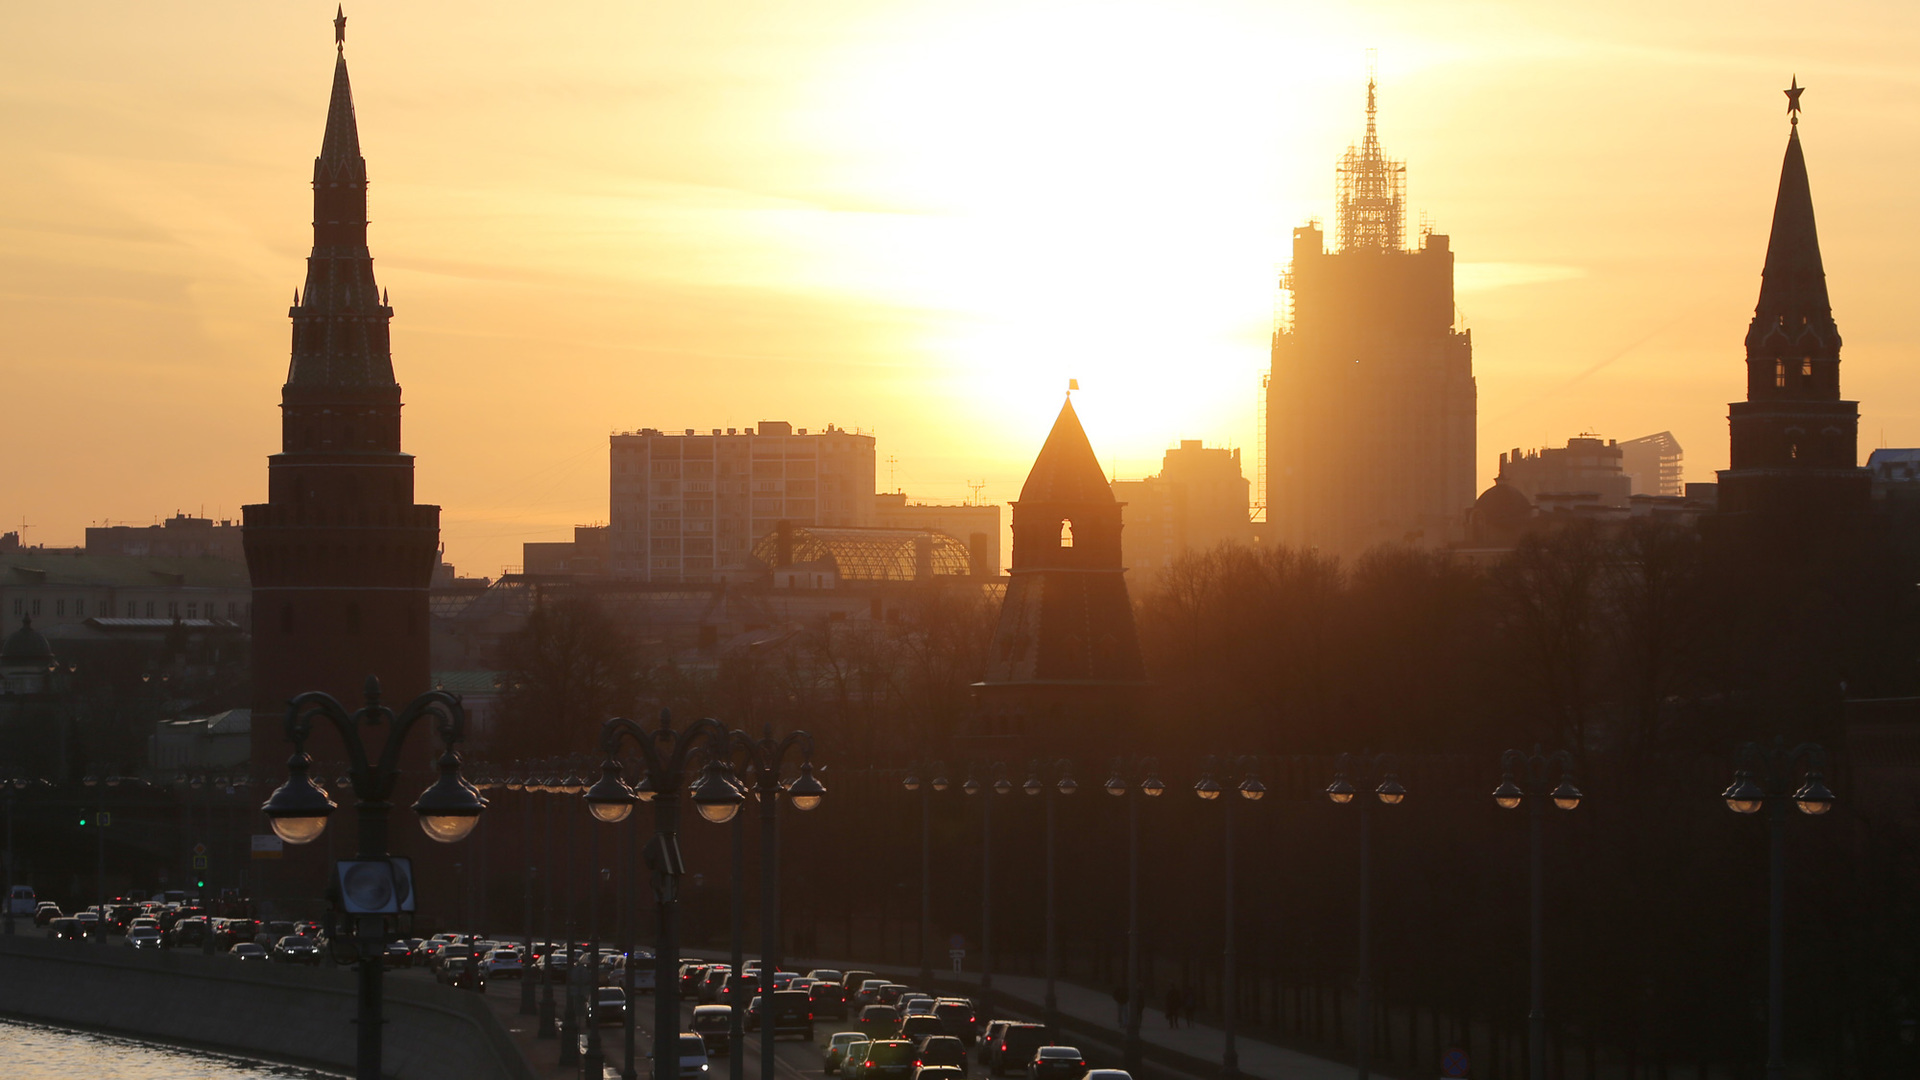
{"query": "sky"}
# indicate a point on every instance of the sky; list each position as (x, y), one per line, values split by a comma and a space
(913, 219)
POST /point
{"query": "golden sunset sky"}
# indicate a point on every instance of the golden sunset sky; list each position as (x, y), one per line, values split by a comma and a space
(917, 219)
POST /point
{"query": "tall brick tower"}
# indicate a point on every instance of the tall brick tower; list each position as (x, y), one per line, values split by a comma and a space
(340, 555)
(1795, 465)
(1064, 670)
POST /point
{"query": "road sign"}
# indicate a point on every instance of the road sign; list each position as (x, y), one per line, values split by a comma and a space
(266, 846)
(199, 849)
(199, 862)
(106, 819)
(957, 941)
(958, 956)
(1453, 1063)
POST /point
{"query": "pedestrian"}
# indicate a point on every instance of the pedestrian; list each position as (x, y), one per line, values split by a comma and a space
(1173, 1006)
(1120, 1004)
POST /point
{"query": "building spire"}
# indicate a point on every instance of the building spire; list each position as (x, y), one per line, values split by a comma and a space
(1793, 284)
(340, 27)
(1372, 195)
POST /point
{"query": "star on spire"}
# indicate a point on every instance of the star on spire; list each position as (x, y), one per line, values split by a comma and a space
(1793, 92)
(340, 27)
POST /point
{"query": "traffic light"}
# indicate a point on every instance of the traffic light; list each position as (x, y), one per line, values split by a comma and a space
(201, 884)
(83, 821)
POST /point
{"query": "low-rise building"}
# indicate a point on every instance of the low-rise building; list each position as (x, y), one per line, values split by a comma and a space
(66, 593)
(1588, 467)
(178, 537)
(1200, 498)
(977, 527)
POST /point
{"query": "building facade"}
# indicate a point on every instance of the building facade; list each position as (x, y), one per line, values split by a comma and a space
(1200, 499)
(1587, 466)
(1655, 464)
(1795, 442)
(685, 507)
(977, 527)
(179, 537)
(340, 556)
(1371, 401)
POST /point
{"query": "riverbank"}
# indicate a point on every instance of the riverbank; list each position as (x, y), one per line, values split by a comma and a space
(302, 1016)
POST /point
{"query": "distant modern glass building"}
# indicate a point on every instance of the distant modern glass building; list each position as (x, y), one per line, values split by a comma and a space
(684, 506)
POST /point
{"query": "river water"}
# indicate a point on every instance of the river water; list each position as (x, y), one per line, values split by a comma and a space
(35, 1052)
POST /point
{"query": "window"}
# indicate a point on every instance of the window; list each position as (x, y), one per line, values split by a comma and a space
(149, 609)
(36, 605)
(79, 607)
(1779, 373)
(173, 609)
(19, 606)
(1066, 533)
(60, 608)
(232, 609)
(193, 611)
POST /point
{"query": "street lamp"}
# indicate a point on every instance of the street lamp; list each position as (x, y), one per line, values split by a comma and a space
(1035, 786)
(373, 887)
(1214, 781)
(764, 758)
(1150, 786)
(663, 752)
(1762, 778)
(1364, 768)
(1508, 796)
(937, 781)
(999, 786)
(522, 782)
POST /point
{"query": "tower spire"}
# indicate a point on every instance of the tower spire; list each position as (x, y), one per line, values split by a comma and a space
(1793, 304)
(340, 27)
(1372, 193)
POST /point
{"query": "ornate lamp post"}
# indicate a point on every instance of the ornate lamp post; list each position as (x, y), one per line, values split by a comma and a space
(549, 785)
(1213, 782)
(1761, 778)
(520, 782)
(1065, 785)
(664, 753)
(448, 812)
(1150, 786)
(936, 782)
(999, 786)
(1508, 796)
(1389, 791)
(571, 784)
(764, 759)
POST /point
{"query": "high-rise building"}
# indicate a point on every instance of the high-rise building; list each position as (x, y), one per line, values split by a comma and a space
(1199, 499)
(1795, 463)
(340, 556)
(1588, 465)
(1371, 398)
(685, 506)
(1064, 666)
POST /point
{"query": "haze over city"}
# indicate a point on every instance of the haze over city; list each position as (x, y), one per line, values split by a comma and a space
(915, 220)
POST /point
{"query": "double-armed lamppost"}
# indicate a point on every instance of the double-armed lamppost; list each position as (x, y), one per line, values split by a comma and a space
(1762, 778)
(373, 886)
(1063, 784)
(1148, 784)
(1364, 768)
(998, 786)
(936, 781)
(763, 759)
(1524, 778)
(1215, 779)
(664, 752)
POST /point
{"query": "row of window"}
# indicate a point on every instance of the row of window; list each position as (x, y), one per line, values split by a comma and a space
(76, 607)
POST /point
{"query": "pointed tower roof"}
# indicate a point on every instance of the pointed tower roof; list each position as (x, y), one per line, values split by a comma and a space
(1793, 284)
(340, 146)
(1067, 470)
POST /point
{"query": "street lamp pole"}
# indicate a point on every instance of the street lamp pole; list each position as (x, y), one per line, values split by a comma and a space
(664, 753)
(1389, 791)
(1508, 796)
(1775, 769)
(736, 1016)
(764, 759)
(1000, 786)
(569, 1022)
(522, 783)
(936, 782)
(549, 785)
(372, 887)
(1066, 785)
(1149, 785)
(1213, 781)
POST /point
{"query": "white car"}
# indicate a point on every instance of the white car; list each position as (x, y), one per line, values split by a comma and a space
(693, 1057)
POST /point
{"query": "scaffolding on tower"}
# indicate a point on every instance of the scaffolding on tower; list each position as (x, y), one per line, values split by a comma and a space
(1371, 190)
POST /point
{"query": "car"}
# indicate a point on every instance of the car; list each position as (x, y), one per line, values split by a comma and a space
(792, 1014)
(609, 1005)
(921, 1025)
(46, 913)
(693, 1057)
(295, 949)
(911, 1003)
(735, 989)
(783, 979)
(888, 1059)
(89, 923)
(869, 992)
(504, 964)
(397, 955)
(800, 982)
(1056, 1063)
(824, 975)
(21, 901)
(837, 1049)
(554, 966)
(890, 994)
(690, 975)
(66, 929)
(143, 937)
(712, 981)
(938, 1072)
(879, 1021)
(248, 950)
(854, 1061)
(714, 1023)
(853, 980)
(829, 999)
(144, 922)
(1107, 1074)
(941, 1050)
(1014, 1047)
(958, 1019)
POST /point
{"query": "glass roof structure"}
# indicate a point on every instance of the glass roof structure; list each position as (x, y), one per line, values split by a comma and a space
(868, 554)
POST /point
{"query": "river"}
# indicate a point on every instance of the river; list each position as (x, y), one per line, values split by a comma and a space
(37, 1052)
